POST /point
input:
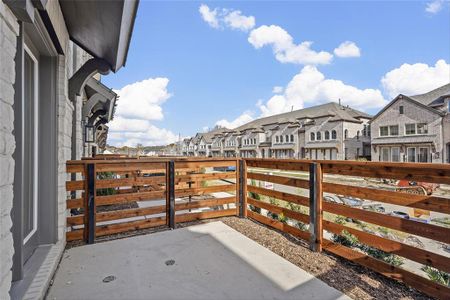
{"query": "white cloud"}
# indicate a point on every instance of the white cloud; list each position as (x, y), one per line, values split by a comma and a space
(434, 7)
(416, 78)
(138, 104)
(277, 89)
(236, 20)
(220, 18)
(241, 120)
(143, 99)
(209, 16)
(310, 87)
(285, 50)
(347, 49)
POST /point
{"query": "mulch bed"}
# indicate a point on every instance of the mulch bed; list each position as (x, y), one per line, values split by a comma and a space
(352, 279)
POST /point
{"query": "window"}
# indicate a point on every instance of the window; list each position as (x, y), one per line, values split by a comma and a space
(254, 141)
(384, 130)
(327, 135)
(401, 109)
(333, 134)
(281, 138)
(319, 136)
(292, 138)
(422, 128)
(423, 155)
(410, 128)
(395, 154)
(385, 154)
(393, 130)
(277, 139)
(411, 153)
(313, 136)
(346, 134)
(287, 138)
(357, 135)
(364, 130)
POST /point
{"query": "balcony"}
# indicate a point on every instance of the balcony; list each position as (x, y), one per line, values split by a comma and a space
(227, 212)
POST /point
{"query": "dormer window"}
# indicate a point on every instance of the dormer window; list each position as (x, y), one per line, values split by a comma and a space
(312, 137)
(292, 138)
(277, 138)
(319, 136)
(281, 138)
(327, 135)
(333, 134)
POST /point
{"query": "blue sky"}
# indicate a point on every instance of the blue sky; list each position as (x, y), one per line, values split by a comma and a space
(199, 74)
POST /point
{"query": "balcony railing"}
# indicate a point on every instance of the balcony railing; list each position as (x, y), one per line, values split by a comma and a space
(103, 202)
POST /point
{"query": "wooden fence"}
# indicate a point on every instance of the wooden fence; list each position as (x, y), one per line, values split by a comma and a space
(305, 207)
(109, 196)
(116, 195)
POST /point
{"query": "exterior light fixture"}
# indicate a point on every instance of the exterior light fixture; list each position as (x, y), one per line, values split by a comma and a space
(89, 134)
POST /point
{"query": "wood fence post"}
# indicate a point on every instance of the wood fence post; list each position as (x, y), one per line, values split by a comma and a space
(242, 188)
(91, 208)
(170, 196)
(315, 206)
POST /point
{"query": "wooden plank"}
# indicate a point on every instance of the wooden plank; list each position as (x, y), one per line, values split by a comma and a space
(75, 185)
(279, 195)
(137, 181)
(130, 226)
(432, 203)
(436, 173)
(315, 204)
(418, 282)
(416, 254)
(205, 203)
(129, 213)
(244, 188)
(204, 177)
(204, 215)
(74, 235)
(204, 164)
(279, 225)
(433, 232)
(279, 210)
(75, 167)
(75, 203)
(75, 220)
(204, 190)
(289, 181)
(112, 166)
(277, 164)
(130, 197)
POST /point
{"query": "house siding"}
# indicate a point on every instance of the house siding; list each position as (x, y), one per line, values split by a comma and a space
(9, 29)
(413, 113)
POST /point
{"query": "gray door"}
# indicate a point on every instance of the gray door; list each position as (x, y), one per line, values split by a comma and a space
(30, 187)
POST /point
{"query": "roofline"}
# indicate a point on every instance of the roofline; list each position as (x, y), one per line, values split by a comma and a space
(401, 96)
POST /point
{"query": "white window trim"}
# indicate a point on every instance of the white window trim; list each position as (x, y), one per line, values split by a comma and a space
(415, 129)
(36, 145)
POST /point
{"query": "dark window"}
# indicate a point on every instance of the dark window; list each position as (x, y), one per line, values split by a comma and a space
(313, 136)
(346, 134)
(401, 109)
(333, 134)
(327, 135)
(319, 136)
(292, 138)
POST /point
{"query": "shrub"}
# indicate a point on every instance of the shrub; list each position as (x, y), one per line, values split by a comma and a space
(437, 275)
(107, 191)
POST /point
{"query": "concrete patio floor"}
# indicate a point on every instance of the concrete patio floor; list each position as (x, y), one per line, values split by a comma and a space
(210, 261)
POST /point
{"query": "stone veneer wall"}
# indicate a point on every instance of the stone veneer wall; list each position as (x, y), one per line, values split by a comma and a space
(9, 29)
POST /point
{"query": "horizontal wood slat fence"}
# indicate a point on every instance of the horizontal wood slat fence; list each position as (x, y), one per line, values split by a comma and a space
(113, 195)
(299, 209)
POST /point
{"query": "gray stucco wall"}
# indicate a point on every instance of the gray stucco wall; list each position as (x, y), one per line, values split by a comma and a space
(9, 29)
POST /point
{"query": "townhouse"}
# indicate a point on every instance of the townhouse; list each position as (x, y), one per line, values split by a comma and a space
(413, 128)
(327, 131)
(51, 103)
